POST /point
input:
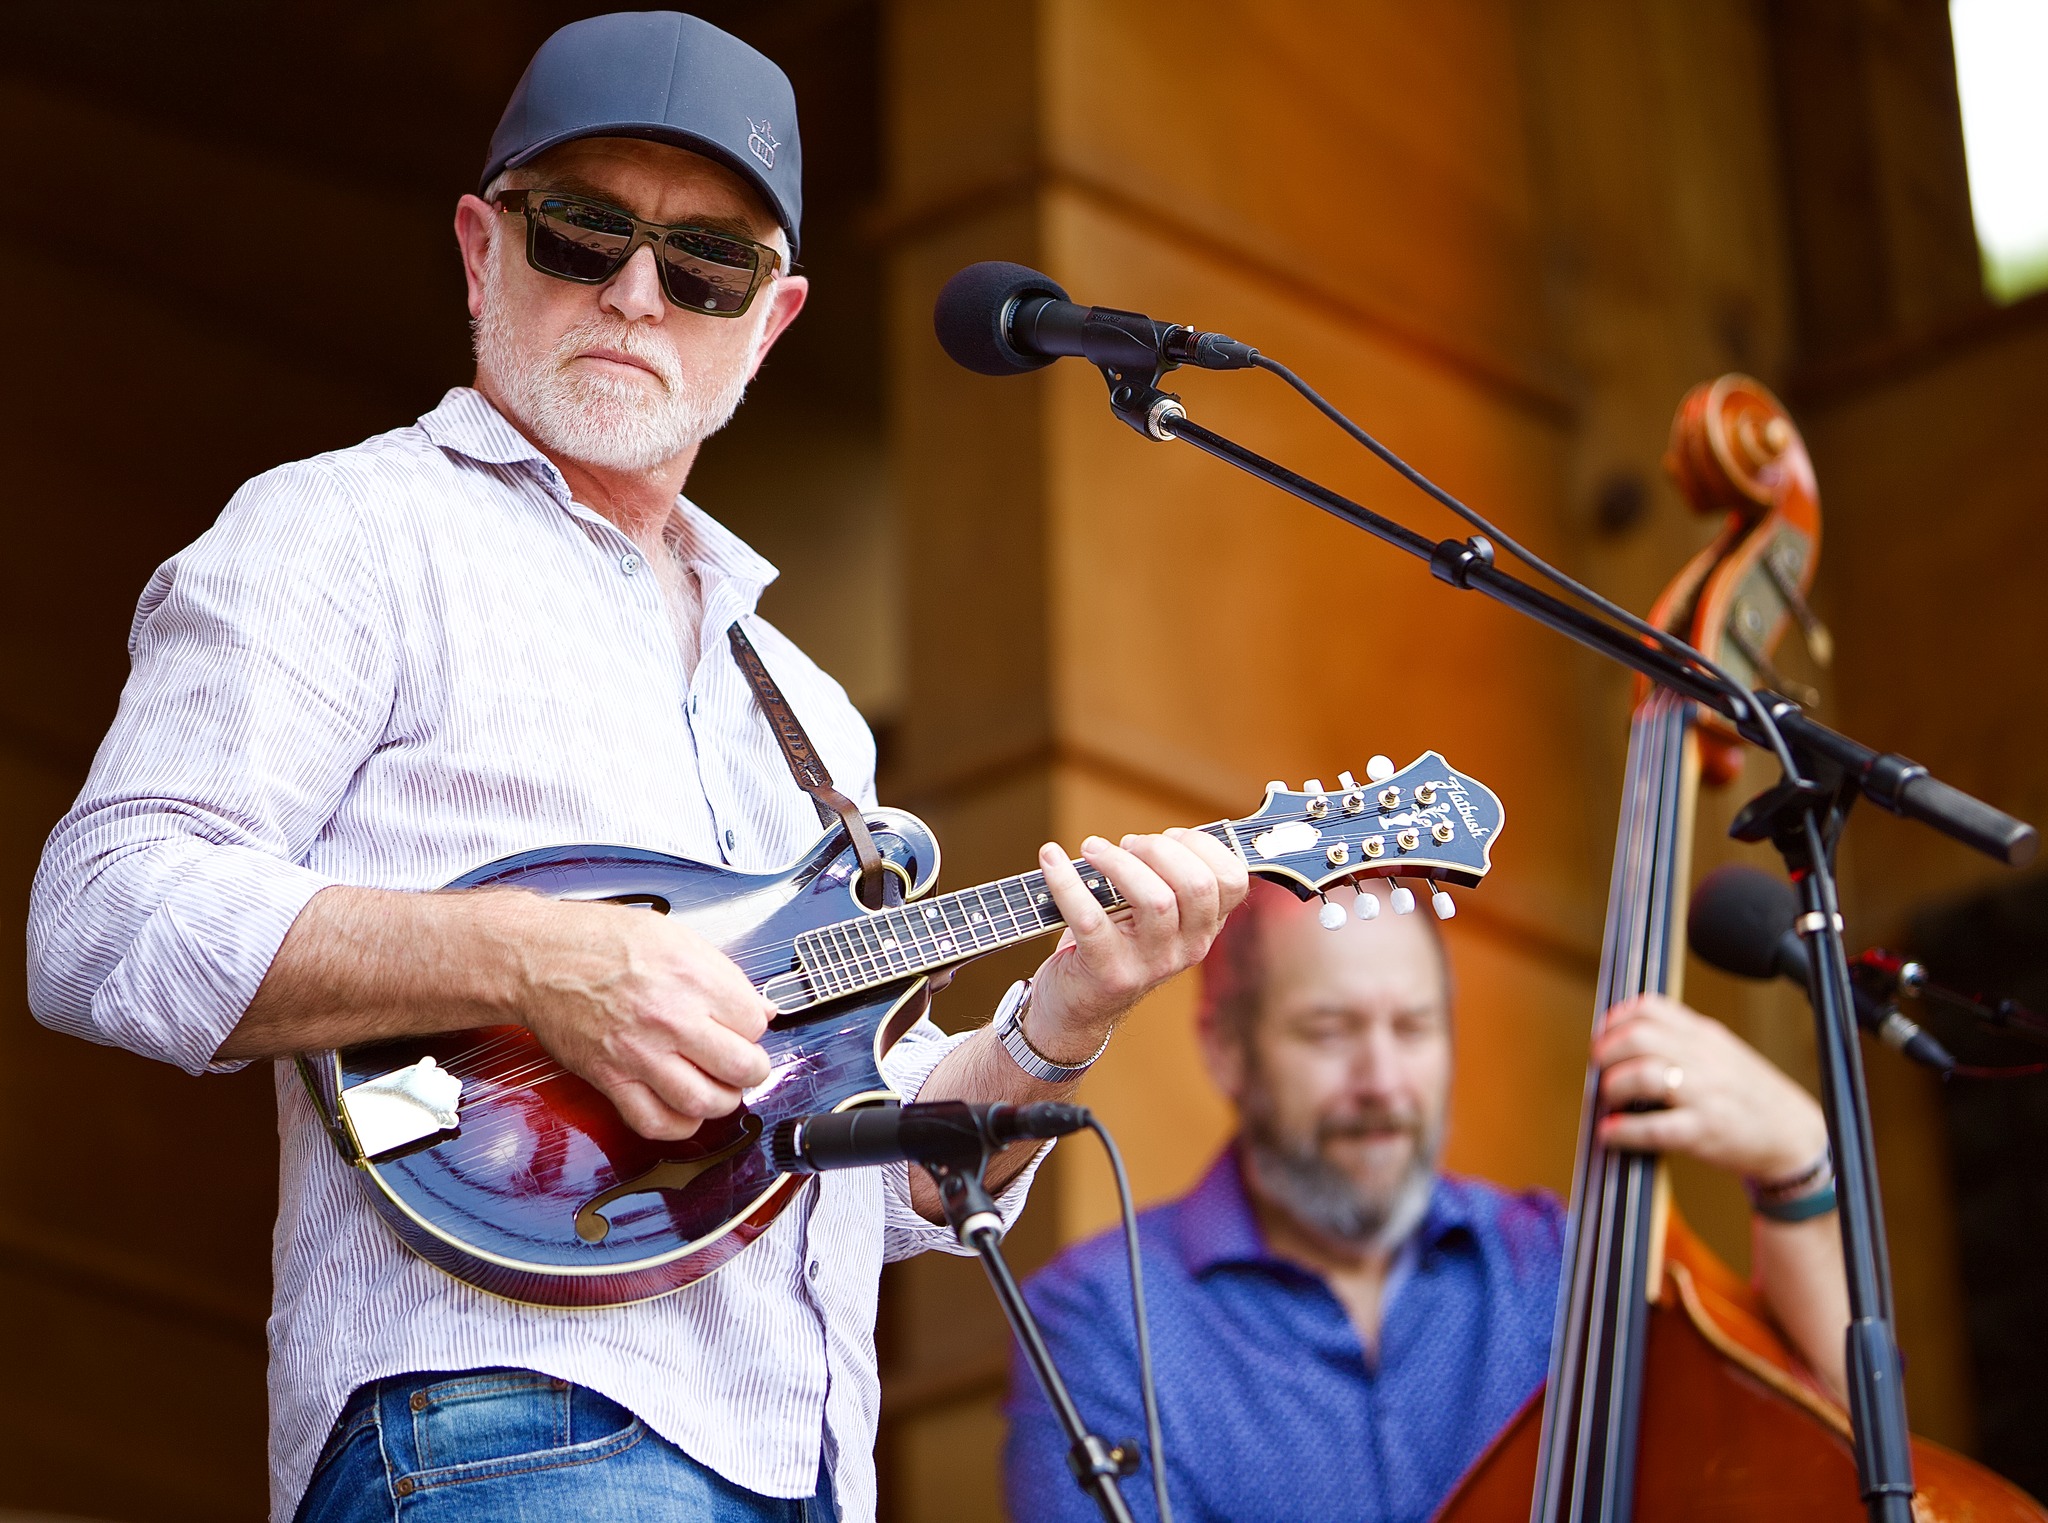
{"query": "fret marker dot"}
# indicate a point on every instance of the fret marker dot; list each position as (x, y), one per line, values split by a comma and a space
(888, 943)
(932, 913)
(975, 915)
(945, 943)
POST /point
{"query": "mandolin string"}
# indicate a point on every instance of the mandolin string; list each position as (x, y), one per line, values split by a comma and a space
(771, 959)
(774, 958)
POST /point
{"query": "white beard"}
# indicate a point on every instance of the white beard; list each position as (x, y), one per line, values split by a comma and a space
(611, 422)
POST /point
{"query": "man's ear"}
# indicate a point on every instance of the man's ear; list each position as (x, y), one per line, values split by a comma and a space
(1223, 1055)
(475, 222)
(786, 296)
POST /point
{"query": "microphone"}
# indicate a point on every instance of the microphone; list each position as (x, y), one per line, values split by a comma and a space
(1741, 922)
(1005, 319)
(944, 1132)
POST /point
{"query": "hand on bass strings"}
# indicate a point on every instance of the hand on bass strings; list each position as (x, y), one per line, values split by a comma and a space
(1179, 887)
(1716, 1098)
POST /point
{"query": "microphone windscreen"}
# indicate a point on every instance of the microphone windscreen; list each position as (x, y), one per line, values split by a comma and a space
(969, 316)
(1738, 917)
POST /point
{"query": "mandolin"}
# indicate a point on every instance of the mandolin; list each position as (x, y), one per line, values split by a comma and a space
(1671, 1395)
(494, 1163)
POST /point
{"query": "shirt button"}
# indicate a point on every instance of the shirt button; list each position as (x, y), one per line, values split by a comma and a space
(630, 564)
(813, 1270)
(731, 840)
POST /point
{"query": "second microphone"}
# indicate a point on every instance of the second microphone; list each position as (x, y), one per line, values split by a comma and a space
(943, 1132)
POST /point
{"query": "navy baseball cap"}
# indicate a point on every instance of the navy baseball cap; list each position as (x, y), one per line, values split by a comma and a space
(666, 77)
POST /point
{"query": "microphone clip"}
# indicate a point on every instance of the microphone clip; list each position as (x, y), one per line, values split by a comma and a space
(1141, 403)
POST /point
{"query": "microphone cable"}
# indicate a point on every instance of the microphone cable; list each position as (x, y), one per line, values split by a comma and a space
(1669, 642)
(1148, 1389)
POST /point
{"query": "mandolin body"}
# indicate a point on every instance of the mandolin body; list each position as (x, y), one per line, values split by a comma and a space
(1732, 1427)
(498, 1203)
(492, 1162)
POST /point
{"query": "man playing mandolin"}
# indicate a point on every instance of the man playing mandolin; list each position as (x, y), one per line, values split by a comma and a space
(503, 628)
(1339, 1328)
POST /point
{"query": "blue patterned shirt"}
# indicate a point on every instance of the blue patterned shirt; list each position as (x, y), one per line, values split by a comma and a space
(1272, 1407)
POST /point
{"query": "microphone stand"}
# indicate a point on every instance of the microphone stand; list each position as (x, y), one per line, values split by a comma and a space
(1802, 816)
(1097, 1466)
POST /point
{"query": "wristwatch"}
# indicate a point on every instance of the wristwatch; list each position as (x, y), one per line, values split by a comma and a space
(1008, 1022)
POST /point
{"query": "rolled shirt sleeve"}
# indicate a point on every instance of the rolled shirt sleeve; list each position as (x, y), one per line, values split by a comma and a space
(263, 671)
(905, 1231)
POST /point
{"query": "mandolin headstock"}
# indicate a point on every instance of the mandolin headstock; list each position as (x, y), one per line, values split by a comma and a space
(1426, 820)
(1735, 451)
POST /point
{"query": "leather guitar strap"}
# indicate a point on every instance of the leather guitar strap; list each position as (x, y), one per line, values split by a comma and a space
(806, 765)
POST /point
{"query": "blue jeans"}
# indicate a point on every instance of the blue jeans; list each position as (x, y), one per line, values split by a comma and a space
(514, 1446)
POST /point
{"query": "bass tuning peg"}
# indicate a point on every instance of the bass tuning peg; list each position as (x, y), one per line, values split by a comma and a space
(1367, 903)
(1403, 899)
(1443, 904)
(1380, 768)
(1331, 915)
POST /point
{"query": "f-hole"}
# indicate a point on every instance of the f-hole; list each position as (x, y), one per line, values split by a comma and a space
(640, 902)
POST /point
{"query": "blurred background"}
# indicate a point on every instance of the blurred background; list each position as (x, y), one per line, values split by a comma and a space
(1506, 234)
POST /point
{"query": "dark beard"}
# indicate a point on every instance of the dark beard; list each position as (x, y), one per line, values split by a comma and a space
(1297, 1175)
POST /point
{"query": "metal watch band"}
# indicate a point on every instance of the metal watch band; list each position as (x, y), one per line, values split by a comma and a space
(1009, 1027)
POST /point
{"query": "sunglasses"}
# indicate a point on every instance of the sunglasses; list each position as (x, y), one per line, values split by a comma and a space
(588, 242)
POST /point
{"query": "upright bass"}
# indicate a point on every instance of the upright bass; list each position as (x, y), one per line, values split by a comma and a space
(1671, 1395)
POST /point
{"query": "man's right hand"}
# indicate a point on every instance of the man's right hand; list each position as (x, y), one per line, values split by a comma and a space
(658, 1019)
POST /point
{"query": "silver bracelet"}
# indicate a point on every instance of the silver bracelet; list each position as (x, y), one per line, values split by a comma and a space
(1008, 1022)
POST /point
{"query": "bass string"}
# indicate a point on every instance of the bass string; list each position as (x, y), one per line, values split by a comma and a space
(1576, 1387)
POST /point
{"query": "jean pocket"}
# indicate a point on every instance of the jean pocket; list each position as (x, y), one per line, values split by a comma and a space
(496, 1422)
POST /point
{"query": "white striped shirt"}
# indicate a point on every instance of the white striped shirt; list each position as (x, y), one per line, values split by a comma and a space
(385, 666)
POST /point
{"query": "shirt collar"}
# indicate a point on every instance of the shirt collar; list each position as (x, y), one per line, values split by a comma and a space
(467, 423)
(1216, 1225)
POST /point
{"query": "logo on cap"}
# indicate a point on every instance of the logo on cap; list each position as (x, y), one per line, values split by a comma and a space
(762, 143)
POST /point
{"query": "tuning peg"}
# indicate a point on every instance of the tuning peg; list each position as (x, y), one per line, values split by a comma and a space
(1331, 915)
(1367, 903)
(1313, 785)
(1403, 900)
(1380, 768)
(1346, 781)
(1276, 786)
(1443, 904)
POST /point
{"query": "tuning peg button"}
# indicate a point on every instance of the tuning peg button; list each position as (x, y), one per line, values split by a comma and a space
(1346, 781)
(1276, 786)
(1443, 904)
(1368, 904)
(1403, 900)
(1380, 768)
(1331, 915)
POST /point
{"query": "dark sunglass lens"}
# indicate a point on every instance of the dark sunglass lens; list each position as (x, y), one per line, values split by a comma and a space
(578, 241)
(708, 273)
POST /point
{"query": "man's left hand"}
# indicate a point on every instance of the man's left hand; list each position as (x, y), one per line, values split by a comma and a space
(1722, 1101)
(1179, 887)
